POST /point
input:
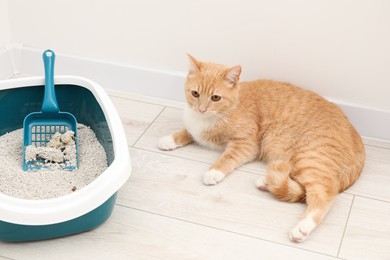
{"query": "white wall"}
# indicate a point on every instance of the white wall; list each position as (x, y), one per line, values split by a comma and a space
(5, 33)
(338, 48)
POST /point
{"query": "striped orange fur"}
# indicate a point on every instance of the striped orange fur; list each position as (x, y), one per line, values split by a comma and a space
(312, 150)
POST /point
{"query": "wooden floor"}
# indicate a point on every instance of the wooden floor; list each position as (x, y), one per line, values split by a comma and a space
(164, 211)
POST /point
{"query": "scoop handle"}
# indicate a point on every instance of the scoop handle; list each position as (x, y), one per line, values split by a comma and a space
(49, 104)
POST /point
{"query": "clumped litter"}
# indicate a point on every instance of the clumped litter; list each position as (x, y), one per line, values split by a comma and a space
(49, 183)
(59, 152)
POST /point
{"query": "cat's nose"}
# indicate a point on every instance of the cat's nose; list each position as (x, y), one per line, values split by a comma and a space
(202, 109)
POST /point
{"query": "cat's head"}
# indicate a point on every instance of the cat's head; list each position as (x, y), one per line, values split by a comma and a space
(211, 88)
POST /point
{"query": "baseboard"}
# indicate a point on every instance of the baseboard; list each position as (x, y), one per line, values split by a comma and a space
(156, 86)
(370, 122)
(143, 81)
(146, 99)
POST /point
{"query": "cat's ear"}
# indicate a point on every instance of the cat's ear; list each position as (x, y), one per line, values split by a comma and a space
(194, 64)
(233, 75)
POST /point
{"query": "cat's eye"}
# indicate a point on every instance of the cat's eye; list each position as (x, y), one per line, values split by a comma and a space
(195, 93)
(215, 98)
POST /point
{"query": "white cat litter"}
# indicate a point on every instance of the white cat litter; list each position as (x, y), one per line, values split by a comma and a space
(46, 184)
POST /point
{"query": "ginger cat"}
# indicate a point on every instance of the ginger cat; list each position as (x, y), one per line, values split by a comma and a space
(312, 150)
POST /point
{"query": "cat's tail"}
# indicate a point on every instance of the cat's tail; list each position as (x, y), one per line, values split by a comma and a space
(279, 182)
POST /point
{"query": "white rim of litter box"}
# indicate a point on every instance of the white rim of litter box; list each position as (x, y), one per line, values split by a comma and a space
(61, 209)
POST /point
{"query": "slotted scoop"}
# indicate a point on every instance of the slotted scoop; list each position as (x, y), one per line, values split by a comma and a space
(39, 127)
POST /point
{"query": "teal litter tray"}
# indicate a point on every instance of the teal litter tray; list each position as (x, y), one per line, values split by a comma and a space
(29, 220)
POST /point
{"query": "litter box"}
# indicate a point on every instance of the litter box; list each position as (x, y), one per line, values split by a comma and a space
(87, 208)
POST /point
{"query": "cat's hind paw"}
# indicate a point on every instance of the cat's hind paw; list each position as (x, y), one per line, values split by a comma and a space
(261, 184)
(302, 231)
(167, 143)
(212, 177)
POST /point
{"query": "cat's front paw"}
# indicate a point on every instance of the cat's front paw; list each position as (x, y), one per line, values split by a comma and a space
(212, 177)
(167, 143)
(302, 231)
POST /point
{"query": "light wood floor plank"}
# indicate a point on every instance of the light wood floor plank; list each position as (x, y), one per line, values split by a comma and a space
(135, 116)
(172, 187)
(133, 234)
(368, 231)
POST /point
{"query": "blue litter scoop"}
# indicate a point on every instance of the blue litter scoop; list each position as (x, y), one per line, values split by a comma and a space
(48, 137)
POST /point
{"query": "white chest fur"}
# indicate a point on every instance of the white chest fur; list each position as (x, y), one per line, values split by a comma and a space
(196, 124)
